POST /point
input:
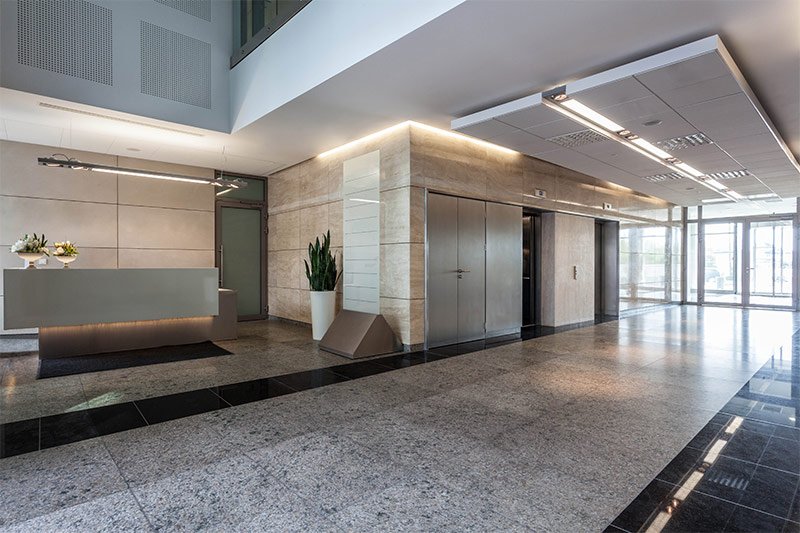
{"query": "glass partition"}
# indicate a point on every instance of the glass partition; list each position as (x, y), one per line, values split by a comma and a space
(771, 249)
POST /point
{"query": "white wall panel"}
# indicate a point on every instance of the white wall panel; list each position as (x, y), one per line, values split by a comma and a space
(361, 193)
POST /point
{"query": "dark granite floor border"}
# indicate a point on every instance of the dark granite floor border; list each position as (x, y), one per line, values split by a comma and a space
(35, 434)
(741, 472)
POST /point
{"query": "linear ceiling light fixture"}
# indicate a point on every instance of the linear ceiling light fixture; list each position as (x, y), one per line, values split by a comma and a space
(419, 125)
(558, 100)
(62, 161)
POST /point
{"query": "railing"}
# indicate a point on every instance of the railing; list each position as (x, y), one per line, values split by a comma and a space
(255, 20)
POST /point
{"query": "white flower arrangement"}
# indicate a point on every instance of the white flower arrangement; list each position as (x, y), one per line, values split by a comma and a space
(65, 249)
(30, 244)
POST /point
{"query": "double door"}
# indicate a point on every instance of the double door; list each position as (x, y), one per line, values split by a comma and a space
(474, 270)
(747, 262)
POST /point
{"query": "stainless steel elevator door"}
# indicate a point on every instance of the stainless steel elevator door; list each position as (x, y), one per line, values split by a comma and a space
(442, 283)
(503, 269)
(471, 271)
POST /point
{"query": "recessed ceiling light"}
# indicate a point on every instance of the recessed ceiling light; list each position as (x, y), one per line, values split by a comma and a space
(652, 123)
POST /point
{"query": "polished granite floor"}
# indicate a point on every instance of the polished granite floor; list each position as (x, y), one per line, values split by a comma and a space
(558, 433)
(263, 349)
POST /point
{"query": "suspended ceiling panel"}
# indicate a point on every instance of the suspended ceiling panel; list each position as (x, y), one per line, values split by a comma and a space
(692, 102)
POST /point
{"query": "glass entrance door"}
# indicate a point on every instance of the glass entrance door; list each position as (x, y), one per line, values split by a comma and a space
(771, 249)
(747, 262)
(722, 280)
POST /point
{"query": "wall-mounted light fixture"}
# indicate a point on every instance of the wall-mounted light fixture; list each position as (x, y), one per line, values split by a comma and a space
(62, 161)
(559, 101)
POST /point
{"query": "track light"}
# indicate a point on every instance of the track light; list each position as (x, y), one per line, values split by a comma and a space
(560, 101)
(67, 162)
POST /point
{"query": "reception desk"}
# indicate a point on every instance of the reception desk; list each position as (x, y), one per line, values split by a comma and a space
(83, 311)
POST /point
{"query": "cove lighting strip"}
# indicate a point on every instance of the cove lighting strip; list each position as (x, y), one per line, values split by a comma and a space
(407, 123)
(74, 164)
(559, 101)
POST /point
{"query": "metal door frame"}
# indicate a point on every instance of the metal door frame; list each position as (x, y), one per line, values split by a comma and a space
(219, 252)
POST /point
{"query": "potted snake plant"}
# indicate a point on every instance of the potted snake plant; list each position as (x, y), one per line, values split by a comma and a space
(322, 275)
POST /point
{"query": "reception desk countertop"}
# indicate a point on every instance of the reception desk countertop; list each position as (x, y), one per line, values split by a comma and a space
(71, 297)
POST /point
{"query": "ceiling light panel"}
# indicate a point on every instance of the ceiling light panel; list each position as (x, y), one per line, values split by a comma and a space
(703, 113)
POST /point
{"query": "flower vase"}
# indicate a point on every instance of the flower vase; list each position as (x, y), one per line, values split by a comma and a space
(66, 259)
(30, 257)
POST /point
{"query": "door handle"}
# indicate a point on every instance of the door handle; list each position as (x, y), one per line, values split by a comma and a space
(221, 265)
(462, 270)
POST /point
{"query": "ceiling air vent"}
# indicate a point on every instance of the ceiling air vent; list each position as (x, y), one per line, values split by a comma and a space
(729, 174)
(680, 143)
(578, 138)
(663, 177)
(175, 66)
(68, 37)
(196, 8)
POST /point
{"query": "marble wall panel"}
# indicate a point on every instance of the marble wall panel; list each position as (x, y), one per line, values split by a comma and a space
(21, 175)
(88, 224)
(313, 224)
(283, 190)
(285, 269)
(141, 258)
(171, 229)
(284, 231)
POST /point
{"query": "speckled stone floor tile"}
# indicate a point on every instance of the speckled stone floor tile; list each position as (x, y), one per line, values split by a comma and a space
(43, 482)
(154, 452)
(230, 495)
(417, 504)
(328, 469)
(113, 513)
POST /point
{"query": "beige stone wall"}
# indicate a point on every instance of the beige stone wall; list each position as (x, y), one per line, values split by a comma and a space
(117, 221)
(306, 199)
(567, 269)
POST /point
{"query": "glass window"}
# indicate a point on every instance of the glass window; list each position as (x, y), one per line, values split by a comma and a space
(255, 190)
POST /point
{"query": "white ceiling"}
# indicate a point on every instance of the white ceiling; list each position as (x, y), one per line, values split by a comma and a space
(474, 56)
(689, 90)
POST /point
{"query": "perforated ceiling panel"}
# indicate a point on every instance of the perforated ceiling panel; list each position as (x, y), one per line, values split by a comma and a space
(175, 66)
(578, 138)
(197, 8)
(70, 37)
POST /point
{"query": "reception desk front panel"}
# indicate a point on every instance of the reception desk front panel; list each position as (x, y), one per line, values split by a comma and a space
(70, 297)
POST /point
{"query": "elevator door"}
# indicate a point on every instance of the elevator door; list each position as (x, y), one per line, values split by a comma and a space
(456, 237)
(471, 270)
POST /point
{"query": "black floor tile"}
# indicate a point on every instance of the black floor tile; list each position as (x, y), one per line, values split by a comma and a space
(783, 454)
(311, 379)
(408, 359)
(179, 405)
(746, 520)
(360, 369)
(114, 418)
(253, 391)
(646, 506)
(700, 513)
(746, 445)
(459, 349)
(19, 437)
(771, 491)
(727, 478)
(64, 428)
(679, 468)
(707, 436)
(786, 432)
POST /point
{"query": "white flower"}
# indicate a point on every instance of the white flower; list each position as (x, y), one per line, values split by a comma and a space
(59, 251)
